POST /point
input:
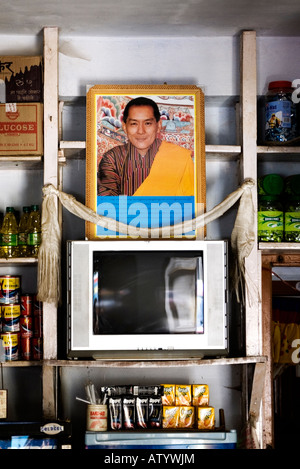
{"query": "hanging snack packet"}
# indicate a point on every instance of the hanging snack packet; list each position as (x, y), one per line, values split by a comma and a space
(115, 413)
(129, 412)
(154, 412)
(141, 404)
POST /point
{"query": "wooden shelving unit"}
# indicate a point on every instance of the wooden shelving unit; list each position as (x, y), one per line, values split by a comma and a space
(56, 153)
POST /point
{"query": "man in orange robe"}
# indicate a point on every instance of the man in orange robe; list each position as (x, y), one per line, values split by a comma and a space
(146, 165)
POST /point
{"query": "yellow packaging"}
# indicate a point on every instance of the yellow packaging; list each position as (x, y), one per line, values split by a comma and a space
(200, 394)
(205, 418)
(183, 394)
(168, 397)
(21, 129)
(186, 417)
(170, 416)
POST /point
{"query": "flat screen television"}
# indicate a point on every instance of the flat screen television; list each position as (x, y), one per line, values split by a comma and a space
(156, 299)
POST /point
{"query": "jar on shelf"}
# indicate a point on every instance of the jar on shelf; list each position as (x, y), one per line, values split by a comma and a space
(270, 219)
(280, 114)
(292, 220)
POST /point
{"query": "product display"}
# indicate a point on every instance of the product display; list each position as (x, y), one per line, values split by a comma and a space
(20, 321)
(166, 406)
(21, 238)
(279, 208)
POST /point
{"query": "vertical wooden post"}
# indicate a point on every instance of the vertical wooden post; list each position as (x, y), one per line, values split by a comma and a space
(50, 176)
(249, 170)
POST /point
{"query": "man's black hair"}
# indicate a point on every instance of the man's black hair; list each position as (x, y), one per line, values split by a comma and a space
(141, 101)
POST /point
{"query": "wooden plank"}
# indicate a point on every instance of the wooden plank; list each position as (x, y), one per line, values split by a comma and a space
(50, 163)
(248, 140)
(49, 391)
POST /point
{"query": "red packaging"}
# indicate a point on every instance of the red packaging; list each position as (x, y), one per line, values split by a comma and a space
(37, 306)
(37, 353)
(37, 326)
(26, 305)
(26, 326)
(26, 348)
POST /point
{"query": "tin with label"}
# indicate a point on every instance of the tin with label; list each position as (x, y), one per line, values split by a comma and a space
(37, 348)
(10, 317)
(26, 326)
(9, 289)
(11, 345)
(26, 352)
(96, 418)
(26, 305)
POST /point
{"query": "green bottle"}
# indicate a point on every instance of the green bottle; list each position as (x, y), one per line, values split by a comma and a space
(270, 219)
(34, 235)
(23, 233)
(9, 234)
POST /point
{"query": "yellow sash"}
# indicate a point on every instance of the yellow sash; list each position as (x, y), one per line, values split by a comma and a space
(171, 174)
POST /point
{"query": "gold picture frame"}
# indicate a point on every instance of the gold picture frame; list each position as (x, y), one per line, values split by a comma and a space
(182, 114)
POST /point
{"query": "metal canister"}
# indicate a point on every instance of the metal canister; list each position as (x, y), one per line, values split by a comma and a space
(26, 352)
(10, 289)
(11, 317)
(11, 345)
(26, 326)
(37, 306)
(26, 305)
(37, 348)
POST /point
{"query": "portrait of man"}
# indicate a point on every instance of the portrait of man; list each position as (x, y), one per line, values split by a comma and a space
(145, 158)
(146, 165)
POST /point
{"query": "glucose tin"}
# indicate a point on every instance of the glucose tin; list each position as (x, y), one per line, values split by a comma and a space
(10, 317)
(9, 289)
(11, 345)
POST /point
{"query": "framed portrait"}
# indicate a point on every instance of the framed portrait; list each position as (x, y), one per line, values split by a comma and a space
(145, 158)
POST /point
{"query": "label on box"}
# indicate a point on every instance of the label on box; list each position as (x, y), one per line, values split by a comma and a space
(21, 129)
(22, 77)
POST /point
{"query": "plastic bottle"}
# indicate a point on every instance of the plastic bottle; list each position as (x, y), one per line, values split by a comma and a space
(23, 232)
(34, 235)
(292, 220)
(280, 113)
(270, 219)
(9, 233)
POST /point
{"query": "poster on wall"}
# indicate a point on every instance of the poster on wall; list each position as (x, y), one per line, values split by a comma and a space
(145, 158)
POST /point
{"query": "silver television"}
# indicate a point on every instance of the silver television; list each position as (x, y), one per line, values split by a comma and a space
(156, 299)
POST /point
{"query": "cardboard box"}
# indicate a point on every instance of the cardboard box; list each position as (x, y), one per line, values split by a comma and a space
(21, 79)
(21, 129)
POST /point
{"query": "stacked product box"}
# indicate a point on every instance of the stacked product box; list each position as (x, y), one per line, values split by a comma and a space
(21, 321)
(187, 406)
(166, 406)
(21, 108)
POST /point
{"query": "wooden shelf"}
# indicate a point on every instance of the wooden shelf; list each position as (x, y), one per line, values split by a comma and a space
(155, 363)
(18, 260)
(279, 247)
